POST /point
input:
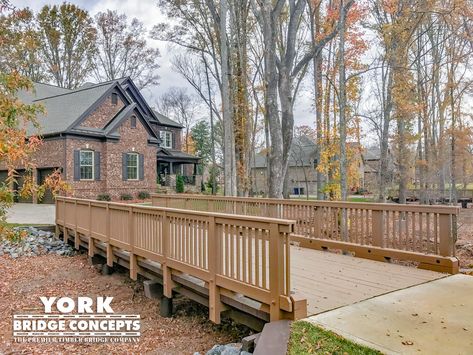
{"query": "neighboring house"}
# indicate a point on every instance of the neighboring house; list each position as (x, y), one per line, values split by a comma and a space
(302, 174)
(104, 138)
(372, 162)
(301, 170)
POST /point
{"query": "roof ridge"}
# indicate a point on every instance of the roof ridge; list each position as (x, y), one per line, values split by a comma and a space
(54, 86)
(75, 91)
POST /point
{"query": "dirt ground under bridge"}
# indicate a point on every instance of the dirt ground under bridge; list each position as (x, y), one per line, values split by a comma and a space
(25, 279)
(465, 239)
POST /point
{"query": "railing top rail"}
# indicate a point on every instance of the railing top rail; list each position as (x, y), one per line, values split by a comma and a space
(279, 221)
(454, 210)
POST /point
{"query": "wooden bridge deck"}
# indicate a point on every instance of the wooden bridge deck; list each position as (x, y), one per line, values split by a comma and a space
(247, 265)
(330, 280)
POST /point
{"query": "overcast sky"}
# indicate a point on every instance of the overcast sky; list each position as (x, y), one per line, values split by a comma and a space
(148, 12)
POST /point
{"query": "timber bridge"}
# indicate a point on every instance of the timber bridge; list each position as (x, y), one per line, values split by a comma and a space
(262, 260)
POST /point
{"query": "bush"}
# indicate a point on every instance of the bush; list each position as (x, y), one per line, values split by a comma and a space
(126, 197)
(179, 184)
(104, 197)
(143, 195)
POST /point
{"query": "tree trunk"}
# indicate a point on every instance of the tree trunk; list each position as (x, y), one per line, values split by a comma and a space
(276, 166)
(342, 105)
(229, 144)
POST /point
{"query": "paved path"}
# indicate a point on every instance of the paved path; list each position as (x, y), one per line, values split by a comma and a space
(433, 318)
(29, 213)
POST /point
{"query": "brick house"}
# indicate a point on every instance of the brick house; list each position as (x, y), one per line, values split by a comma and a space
(104, 138)
(302, 173)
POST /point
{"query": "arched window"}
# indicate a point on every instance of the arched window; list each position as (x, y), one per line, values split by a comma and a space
(133, 121)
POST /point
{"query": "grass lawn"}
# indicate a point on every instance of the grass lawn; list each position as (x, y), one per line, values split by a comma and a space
(12, 225)
(360, 199)
(307, 338)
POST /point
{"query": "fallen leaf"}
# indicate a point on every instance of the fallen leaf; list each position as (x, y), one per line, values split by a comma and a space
(407, 342)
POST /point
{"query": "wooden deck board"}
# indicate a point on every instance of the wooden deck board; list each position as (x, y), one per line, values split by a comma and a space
(330, 280)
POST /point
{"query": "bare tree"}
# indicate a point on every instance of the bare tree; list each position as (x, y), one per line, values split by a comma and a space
(181, 107)
(122, 50)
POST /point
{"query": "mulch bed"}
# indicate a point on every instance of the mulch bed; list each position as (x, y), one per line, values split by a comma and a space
(25, 279)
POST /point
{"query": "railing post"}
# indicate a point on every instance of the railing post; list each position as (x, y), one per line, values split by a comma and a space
(276, 271)
(133, 261)
(377, 228)
(76, 233)
(56, 214)
(210, 205)
(446, 236)
(91, 240)
(215, 305)
(107, 232)
(167, 273)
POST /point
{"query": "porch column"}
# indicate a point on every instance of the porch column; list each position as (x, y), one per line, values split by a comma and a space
(171, 170)
(195, 169)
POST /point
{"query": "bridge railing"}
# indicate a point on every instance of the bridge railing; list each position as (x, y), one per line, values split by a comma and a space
(381, 231)
(244, 254)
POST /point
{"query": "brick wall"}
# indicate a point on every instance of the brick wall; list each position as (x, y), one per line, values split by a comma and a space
(103, 114)
(131, 140)
(49, 155)
(59, 152)
(177, 135)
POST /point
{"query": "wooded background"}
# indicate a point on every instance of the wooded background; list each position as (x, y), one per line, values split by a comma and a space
(393, 74)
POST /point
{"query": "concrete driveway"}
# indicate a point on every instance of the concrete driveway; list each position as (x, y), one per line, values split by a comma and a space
(29, 213)
(432, 318)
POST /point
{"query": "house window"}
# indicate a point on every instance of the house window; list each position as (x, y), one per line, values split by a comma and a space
(133, 121)
(132, 166)
(86, 165)
(166, 138)
(114, 98)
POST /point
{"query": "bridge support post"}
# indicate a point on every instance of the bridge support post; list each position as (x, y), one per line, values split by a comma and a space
(106, 270)
(165, 307)
(65, 235)
(76, 240)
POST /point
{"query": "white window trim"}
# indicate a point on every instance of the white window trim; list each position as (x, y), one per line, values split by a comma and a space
(93, 164)
(137, 166)
(163, 138)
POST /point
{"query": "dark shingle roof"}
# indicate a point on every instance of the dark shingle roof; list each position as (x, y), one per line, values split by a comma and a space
(173, 153)
(372, 153)
(166, 120)
(64, 107)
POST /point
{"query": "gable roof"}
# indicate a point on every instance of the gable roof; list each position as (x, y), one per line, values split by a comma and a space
(65, 109)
